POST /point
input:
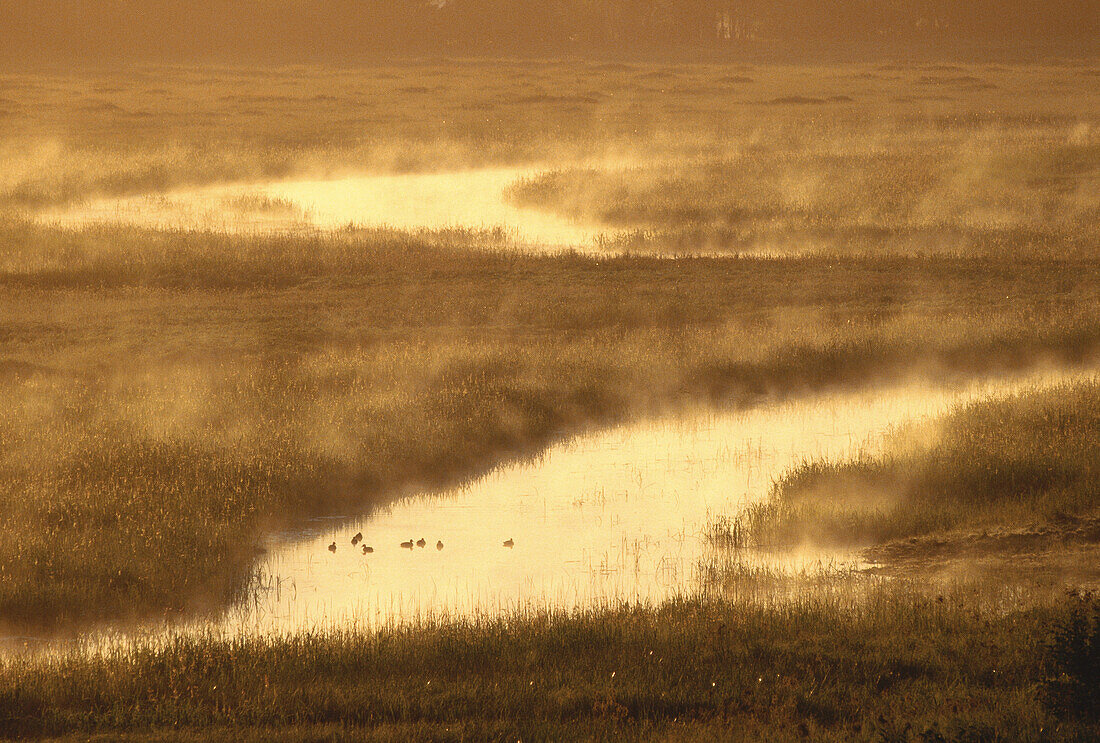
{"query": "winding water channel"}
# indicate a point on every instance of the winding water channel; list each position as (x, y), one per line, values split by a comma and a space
(612, 516)
(434, 201)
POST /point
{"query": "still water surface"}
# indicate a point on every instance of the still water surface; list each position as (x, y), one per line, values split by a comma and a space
(436, 201)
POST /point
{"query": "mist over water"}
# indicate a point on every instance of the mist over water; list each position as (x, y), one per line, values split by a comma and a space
(608, 517)
(468, 199)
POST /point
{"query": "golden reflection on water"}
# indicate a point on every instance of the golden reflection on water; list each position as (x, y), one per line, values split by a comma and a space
(435, 201)
(607, 517)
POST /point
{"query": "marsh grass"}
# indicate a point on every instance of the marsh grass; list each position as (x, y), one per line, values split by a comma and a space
(259, 204)
(1025, 461)
(1012, 193)
(71, 137)
(1074, 651)
(170, 397)
(724, 532)
(890, 665)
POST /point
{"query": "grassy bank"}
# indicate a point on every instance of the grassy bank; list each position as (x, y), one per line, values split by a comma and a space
(1009, 192)
(891, 665)
(1022, 462)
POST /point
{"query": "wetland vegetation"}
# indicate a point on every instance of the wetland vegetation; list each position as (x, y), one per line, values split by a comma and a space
(168, 397)
(1006, 465)
(888, 666)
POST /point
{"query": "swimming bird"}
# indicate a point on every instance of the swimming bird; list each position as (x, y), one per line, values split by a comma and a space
(407, 545)
(420, 542)
(357, 539)
(510, 543)
(439, 545)
(332, 547)
(367, 550)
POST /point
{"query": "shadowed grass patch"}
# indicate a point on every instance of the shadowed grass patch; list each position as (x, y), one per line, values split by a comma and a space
(831, 669)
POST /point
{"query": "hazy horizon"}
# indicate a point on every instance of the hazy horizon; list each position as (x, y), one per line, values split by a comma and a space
(65, 33)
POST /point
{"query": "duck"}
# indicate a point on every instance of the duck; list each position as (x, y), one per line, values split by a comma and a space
(407, 545)
(367, 550)
(439, 544)
(357, 539)
(420, 542)
(509, 543)
(332, 547)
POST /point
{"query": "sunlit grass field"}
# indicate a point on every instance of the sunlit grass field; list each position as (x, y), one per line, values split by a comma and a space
(168, 398)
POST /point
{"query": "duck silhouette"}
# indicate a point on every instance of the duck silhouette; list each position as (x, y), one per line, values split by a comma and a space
(332, 547)
(357, 539)
(367, 550)
(407, 545)
(439, 545)
(420, 542)
(509, 543)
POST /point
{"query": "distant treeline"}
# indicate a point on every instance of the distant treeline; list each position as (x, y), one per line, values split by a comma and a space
(38, 31)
